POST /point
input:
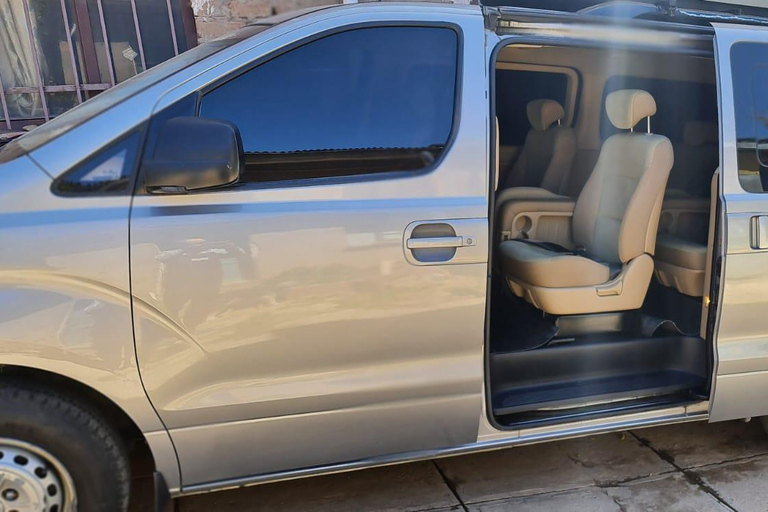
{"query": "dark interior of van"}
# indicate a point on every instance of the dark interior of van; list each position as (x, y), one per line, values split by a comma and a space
(603, 232)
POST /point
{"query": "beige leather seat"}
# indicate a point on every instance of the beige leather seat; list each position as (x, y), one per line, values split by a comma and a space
(682, 254)
(614, 225)
(681, 248)
(547, 154)
(696, 158)
(685, 212)
(681, 264)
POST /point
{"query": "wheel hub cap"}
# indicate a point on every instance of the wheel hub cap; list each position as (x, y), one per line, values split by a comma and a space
(28, 482)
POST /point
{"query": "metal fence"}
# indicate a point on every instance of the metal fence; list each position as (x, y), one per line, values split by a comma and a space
(55, 54)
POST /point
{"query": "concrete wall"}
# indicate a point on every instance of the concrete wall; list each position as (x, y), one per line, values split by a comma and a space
(217, 17)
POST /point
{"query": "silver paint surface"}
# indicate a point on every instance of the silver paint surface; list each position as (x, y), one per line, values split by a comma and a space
(742, 331)
(280, 328)
(64, 291)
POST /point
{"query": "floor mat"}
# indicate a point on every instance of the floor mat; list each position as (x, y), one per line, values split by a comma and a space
(668, 312)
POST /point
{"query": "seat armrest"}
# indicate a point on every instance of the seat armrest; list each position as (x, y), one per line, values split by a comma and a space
(687, 217)
(518, 193)
(547, 219)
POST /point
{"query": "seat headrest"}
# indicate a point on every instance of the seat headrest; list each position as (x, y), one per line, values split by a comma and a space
(700, 133)
(543, 113)
(628, 107)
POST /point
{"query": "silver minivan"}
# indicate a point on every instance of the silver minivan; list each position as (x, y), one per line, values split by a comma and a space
(367, 234)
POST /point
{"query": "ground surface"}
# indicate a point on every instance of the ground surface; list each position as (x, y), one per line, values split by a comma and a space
(694, 467)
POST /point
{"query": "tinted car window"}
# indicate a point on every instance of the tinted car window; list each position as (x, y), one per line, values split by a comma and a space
(109, 172)
(749, 66)
(359, 102)
(106, 100)
(525, 86)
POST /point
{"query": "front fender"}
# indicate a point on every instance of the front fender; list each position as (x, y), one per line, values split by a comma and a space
(65, 304)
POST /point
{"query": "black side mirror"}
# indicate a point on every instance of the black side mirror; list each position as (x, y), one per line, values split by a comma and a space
(193, 153)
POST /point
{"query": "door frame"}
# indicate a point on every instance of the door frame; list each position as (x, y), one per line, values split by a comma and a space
(740, 369)
(458, 156)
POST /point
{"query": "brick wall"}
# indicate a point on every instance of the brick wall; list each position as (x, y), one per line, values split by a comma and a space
(217, 17)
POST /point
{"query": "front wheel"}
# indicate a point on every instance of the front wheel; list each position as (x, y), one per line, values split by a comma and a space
(56, 455)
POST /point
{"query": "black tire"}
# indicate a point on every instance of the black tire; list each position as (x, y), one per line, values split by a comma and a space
(87, 447)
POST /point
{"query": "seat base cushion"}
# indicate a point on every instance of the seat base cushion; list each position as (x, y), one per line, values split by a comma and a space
(681, 264)
(623, 293)
(685, 280)
(681, 252)
(538, 266)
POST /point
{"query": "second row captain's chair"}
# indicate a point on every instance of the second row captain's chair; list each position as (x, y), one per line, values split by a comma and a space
(614, 225)
(547, 155)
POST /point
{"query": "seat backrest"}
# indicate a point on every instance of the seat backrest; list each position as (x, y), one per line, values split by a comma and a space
(617, 213)
(696, 158)
(547, 155)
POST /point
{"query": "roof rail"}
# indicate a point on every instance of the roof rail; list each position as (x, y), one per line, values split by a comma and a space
(461, 2)
(734, 7)
(691, 12)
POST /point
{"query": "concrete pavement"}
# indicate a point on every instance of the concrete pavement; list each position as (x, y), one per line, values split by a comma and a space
(694, 467)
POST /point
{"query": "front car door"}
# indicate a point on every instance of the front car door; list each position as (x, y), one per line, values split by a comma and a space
(330, 306)
(741, 371)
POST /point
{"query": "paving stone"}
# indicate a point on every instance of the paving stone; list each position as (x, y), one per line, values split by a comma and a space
(669, 493)
(590, 499)
(741, 484)
(701, 443)
(409, 487)
(551, 467)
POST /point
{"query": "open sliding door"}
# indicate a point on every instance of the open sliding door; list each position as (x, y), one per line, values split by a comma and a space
(741, 329)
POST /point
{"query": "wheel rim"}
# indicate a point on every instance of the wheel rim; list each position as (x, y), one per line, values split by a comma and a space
(33, 480)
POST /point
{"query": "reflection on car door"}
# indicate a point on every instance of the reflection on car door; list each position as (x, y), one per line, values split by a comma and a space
(311, 314)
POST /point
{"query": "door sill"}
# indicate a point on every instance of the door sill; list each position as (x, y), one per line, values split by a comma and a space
(500, 439)
(599, 410)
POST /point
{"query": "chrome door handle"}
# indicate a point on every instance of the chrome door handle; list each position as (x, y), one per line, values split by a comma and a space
(441, 242)
(758, 232)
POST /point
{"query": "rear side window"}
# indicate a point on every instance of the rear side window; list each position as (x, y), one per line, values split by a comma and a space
(749, 66)
(365, 101)
(514, 90)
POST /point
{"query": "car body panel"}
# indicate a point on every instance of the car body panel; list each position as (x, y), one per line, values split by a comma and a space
(487, 442)
(65, 295)
(285, 314)
(742, 338)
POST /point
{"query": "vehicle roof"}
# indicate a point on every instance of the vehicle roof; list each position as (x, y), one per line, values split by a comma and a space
(691, 12)
(743, 7)
(681, 12)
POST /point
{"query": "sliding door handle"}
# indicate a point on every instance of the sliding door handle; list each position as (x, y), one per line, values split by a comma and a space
(758, 232)
(446, 242)
(441, 242)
